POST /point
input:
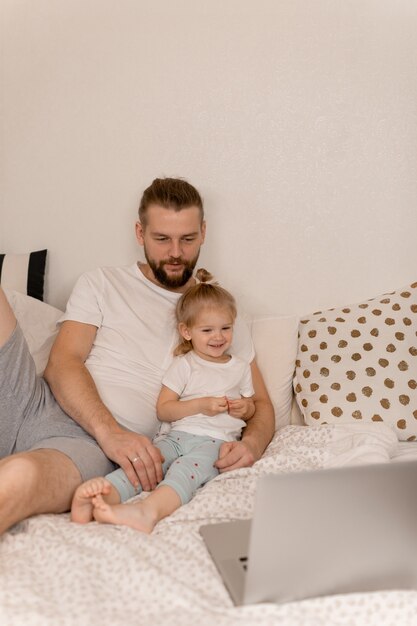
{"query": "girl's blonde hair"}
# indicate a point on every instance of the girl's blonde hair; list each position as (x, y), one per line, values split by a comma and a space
(205, 294)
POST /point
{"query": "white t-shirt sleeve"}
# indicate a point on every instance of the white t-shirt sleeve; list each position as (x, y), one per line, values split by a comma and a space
(86, 300)
(246, 385)
(177, 375)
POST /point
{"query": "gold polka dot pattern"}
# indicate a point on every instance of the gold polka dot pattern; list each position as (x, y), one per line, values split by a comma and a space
(359, 362)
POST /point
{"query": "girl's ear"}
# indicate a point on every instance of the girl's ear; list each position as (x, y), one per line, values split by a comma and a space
(183, 331)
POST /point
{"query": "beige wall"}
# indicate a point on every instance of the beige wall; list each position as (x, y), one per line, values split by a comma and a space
(297, 120)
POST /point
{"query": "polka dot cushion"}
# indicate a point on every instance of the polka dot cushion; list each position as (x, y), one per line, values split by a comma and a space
(359, 363)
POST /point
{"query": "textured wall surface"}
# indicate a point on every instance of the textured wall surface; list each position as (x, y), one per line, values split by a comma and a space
(297, 120)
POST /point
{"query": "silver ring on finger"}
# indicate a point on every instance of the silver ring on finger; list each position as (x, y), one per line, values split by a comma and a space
(135, 459)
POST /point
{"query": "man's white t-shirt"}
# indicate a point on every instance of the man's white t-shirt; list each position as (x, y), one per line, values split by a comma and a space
(192, 377)
(135, 339)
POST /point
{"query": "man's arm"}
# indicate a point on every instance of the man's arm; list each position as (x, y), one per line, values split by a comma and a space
(257, 434)
(76, 392)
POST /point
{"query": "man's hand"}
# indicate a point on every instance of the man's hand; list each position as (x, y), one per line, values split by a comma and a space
(242, 408)
(137, 456)
(212, 406)
(233, 455)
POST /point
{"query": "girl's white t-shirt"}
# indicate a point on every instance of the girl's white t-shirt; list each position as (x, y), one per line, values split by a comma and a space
(192, 377)
(135, 339)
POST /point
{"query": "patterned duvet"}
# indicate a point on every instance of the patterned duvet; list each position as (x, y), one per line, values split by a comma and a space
(54, 572)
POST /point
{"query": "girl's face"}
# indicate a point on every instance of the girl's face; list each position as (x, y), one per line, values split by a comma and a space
(211, 334)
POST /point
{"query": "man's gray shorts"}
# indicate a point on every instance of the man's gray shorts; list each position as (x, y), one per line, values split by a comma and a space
(31, 418)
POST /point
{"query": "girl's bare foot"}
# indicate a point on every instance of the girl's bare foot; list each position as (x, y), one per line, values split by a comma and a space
(82, 506)
(136, 515)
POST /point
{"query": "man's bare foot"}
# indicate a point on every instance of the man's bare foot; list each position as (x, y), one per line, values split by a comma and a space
(136, 515)
(82, 506)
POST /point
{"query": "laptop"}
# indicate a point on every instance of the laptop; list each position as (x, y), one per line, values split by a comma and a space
(315, 533)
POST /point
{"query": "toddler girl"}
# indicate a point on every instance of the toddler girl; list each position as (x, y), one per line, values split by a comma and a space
(206, 395)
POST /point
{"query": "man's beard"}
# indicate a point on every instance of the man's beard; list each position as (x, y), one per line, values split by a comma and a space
(172, 282)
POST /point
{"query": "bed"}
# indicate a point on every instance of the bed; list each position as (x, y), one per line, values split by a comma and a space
(55, 572)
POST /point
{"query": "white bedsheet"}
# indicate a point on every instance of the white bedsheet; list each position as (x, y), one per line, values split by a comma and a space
(55, 572)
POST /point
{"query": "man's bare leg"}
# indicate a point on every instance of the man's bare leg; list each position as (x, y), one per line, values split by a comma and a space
(39, 481)
(82, 505)
(7, 318)
(143, 515)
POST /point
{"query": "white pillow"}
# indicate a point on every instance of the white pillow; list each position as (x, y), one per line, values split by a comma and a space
(38, 323)
(275, 340)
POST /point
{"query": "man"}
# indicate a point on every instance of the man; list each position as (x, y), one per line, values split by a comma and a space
(105, 371)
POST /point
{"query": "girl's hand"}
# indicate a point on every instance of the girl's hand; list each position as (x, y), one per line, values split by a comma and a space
(211, 406)
(243, 408)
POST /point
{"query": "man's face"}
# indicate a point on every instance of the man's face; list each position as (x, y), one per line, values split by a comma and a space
(171, 241)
